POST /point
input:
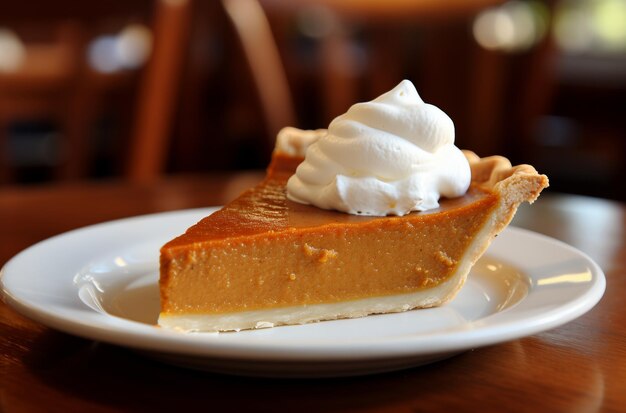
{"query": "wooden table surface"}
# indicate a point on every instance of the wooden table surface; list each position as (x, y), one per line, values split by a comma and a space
(579, 367)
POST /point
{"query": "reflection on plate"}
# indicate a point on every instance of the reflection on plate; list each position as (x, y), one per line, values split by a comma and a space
(100, 282)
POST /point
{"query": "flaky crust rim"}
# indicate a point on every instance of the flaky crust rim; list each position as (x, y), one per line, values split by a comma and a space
(515, 184)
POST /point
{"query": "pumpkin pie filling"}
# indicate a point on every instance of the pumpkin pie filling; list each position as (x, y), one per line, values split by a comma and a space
(264, 251)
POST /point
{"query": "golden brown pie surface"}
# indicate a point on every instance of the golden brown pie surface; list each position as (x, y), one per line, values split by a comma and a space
(266, 208)
(264, 260)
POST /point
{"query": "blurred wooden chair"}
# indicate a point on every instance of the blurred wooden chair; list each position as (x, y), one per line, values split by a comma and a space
(149, 143)
(41, 88)
(383, 25)
(363, 48)
(157, 98)
(56, 83)
(267, 69)
(158, 92)
(53, 82)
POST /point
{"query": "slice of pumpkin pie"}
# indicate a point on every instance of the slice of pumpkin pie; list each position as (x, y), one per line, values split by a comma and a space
(395, 226)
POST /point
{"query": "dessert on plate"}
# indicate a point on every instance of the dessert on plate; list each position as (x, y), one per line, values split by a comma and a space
(380, 213)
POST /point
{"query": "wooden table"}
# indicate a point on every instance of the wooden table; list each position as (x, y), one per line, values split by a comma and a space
(578, 367)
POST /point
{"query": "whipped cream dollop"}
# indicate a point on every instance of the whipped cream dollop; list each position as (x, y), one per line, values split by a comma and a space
(390, 156)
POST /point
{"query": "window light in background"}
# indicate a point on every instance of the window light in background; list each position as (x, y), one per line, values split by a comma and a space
(12, 51)
(597, 26)
(134, 44)
(511, 27)
(129, 49)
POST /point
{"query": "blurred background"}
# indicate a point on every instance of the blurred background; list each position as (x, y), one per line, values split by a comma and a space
(136, 89)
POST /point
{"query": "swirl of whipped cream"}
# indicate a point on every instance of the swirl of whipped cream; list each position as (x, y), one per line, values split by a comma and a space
(390, 156)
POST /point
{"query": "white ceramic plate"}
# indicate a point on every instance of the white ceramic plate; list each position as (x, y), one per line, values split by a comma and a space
(100, 283)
